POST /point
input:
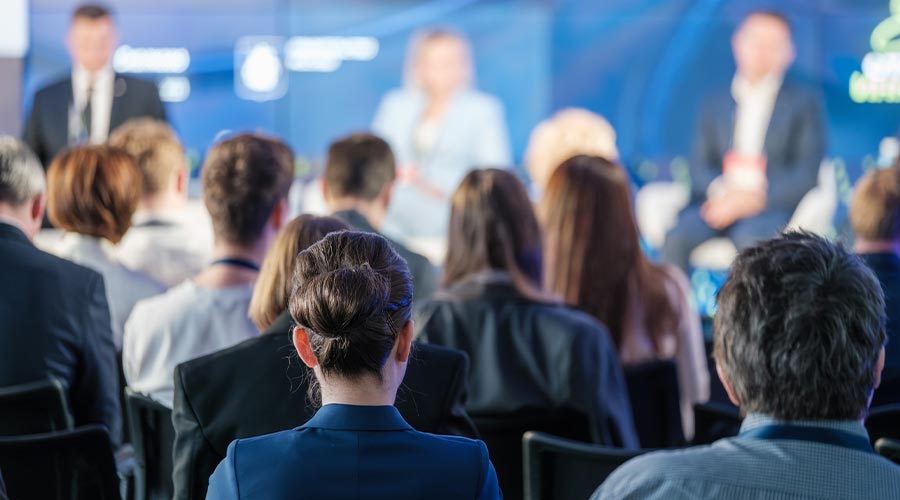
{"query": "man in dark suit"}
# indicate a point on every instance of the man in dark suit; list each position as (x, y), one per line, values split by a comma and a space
(875, 218)
(359, 176)
(93, 100)
(54, 319)
(758, 149)
(259, 387)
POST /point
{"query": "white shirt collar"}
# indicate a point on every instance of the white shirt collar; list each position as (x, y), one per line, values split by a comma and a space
(81, 78)
(741, 88)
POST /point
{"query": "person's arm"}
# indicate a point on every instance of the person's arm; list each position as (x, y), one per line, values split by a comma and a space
(194, 457)
(795, 179)
(223, 482)
(489, 486)
(706, 156)
(456, 421)
(95, 393)
(597, 388)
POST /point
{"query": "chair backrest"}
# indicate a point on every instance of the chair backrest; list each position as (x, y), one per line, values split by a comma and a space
(713, 421)
(60, 465)
(884, 422)
(655, 403)
(33, 408)
(153, 438)
(889, 449)
(556, 467)
(503, 436)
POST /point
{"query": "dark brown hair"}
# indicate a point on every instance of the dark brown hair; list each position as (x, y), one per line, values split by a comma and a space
(359, 165)
(594, 260)
(492, 226)
(875, 209)
(93, 190)
(243, 178)
(91, 11)
(273, 286)
(352, 293)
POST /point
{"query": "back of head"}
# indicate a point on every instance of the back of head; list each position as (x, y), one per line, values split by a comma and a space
(875, 209)
(21, 175)
(273, 287)
(359, 166)
(93, 190)
(92, 12)
(493, 227)
(570, 132)
(155, 149)
(799, 329)
(352, 293)
(244, 178)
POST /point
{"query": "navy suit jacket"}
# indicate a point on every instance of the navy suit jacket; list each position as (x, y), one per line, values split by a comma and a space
(54, 322)
(352, 452)
(794, 145)
(886, 267)
(47, 128)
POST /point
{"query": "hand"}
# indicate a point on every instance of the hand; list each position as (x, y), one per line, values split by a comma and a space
(733, 205)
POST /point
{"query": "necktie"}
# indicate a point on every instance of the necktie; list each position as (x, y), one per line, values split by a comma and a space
(86, 113)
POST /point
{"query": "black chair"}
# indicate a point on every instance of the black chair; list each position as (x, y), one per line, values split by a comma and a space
(503, 436)
(888, 393)
(889, 449)
(884, 422)
(655, 403)
(153, 438)
(34, 408)
(60, 465)
(557, 468)
(714, 421)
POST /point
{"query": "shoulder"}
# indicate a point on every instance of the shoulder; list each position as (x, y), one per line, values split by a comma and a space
(65, 273)
(652, 471)
(800, 94)
(482, 101)
(139, 84)
(274, 344)
(399, 97)
(54, 88)
(164, 308)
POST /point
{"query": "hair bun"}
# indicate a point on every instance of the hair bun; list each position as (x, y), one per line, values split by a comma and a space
(341, 302)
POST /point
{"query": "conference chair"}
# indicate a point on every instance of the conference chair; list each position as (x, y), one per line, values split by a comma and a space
(655, 403)
(714, 421)
(884, 422)
(889, 449)
(33, 408)
(503, 436)
(60, 465)
(557, 468)
(153, 438)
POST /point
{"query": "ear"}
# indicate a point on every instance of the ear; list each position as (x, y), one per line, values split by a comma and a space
(37, 208)
(301, 343)
(385, 195)
(279, 214)
(326, 193)
(181, 181)
(727, 386)
(879, 367)
(404, 341)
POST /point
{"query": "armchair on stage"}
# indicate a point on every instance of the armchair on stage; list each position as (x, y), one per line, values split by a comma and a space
(658, 204)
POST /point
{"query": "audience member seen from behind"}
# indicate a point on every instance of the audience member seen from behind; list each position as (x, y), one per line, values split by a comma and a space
(492, 307)
(568, 133)
(246, 180)
(799, 346)
(358, 184)
(352, 302)
(439, 127)
(875, 218)
(92, 194)
(54, 319)
(594, 261)
(170, 239)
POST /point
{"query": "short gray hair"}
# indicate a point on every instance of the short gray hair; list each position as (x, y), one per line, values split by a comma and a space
(21, 174)
(799, 329)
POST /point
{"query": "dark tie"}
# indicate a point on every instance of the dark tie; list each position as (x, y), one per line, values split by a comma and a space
(86, 113)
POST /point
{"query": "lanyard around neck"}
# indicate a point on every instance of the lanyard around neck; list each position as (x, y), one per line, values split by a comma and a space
(237, 262)
(811, 434)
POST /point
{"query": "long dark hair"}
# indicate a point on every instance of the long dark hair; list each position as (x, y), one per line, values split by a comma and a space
(594, 259)
(493, 227)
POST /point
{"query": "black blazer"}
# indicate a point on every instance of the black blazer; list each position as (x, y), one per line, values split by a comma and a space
(794, 145)
(54, 321)
(259, 387)
(47, 128)
(528, 355)
(886, 267)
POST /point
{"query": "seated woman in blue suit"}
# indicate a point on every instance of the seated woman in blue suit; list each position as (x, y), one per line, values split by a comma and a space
(352, 302)
(439, 127)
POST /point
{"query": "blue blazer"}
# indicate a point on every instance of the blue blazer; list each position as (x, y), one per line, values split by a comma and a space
(794, 145)
(355, 452)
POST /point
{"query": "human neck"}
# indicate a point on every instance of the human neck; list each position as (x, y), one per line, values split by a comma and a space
(364, 391)
(221, 276)
(13, 217)
(864, 246)
(165, 201)
(372, 210)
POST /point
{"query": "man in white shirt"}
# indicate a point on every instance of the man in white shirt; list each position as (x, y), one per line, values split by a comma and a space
(246, 180)
(170, 238)
(758, 149)
(93, 99)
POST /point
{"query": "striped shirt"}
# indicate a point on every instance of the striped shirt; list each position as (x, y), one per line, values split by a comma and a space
(742, 468)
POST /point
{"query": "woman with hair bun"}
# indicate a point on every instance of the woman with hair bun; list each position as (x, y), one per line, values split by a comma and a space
(352, 303)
